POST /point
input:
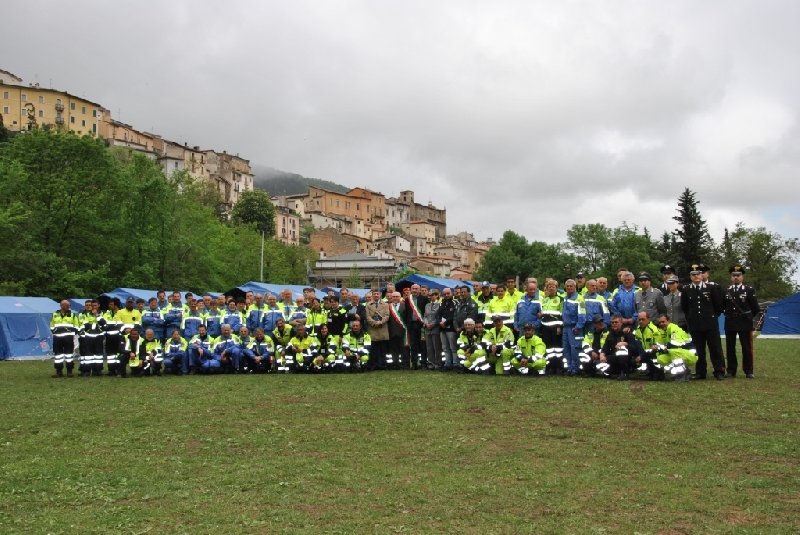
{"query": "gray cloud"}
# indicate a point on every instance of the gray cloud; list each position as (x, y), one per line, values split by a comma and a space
(531, 116)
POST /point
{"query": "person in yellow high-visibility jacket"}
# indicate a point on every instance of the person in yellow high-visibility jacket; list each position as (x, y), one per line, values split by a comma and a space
(529, 353)
(676, 349)
(499, 343)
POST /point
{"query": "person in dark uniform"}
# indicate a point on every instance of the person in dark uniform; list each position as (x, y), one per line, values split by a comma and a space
(716, 288)
(667, 271)
(702, 304)
(741, 306)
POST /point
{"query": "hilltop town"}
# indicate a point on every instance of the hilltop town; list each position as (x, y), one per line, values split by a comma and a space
(360, 229)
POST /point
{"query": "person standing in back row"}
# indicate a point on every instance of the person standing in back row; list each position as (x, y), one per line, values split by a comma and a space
(741, 306)
(702, 305)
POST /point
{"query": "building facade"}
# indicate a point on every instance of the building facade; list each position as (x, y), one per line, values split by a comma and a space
(287, 226)
(25, 107)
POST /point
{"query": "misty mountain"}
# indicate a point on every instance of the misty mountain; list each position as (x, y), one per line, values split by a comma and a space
(277, 182)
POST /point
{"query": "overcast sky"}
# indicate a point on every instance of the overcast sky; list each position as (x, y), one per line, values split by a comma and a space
(530, 116)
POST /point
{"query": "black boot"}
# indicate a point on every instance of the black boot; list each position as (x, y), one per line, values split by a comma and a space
(59, 370)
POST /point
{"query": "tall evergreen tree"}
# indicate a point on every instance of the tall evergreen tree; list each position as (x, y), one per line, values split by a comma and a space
(692, 240)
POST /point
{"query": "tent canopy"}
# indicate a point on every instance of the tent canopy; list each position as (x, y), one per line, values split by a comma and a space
(430, 282)
(783, 317)
(137, 293)
(25, 327)
(76, 304)
(360, 292)
(274, 289)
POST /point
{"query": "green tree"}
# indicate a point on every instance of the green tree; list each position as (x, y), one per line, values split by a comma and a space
(5, 135)
(692, 241)
(507, 258)
(633, 250)
(402, 273)
(770, 260)
(666, 248)
(67, 185)
(591, 245)
(354, 279)
(306, 230)
(255, 208)
(513, 256)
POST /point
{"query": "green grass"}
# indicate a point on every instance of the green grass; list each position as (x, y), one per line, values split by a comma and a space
(400, 452)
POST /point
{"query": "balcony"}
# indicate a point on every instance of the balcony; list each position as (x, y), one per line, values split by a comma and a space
(59, 107)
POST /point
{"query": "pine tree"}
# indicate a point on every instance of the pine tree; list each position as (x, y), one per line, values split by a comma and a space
(692, 240)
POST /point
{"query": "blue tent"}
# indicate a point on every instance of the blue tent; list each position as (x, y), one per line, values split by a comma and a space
(430, 282)
(783, 317)
(25, 327)
(274, 289)
(123, 294)
(137, 293)
(76, 304)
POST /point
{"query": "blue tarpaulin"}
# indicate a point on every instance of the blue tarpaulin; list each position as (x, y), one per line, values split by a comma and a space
(25, 327)
(76, 304)
(266, 287)
(783, 317)
(430, 282)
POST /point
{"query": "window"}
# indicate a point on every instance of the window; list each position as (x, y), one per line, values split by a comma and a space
(83, 110)
(5, 110)
(41, 99)
(83, 122)
(337, 204)
(94, 113)
(5, 95)
(41, 113)
(72, 106)
(94, 128)
(72, 120)
(23, 97)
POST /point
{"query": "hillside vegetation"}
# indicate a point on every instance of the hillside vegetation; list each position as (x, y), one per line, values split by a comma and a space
(277, 182)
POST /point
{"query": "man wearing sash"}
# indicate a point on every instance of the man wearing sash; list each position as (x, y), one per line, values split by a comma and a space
(414, 312)
(397, 356)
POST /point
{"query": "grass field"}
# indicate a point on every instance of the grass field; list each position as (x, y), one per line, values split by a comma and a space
(400, 452)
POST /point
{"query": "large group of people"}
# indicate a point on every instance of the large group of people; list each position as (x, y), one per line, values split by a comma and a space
(578, 328)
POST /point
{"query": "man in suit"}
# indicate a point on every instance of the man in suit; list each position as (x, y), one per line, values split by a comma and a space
(414, 307)
(702, 305)
(377, 316)
(741, 306)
